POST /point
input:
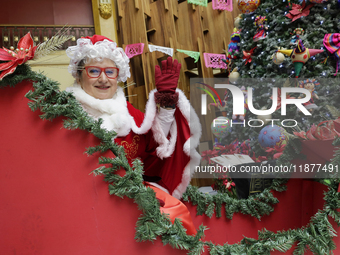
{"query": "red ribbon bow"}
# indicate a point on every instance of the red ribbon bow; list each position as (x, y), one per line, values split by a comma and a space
(319, 132)
(25, 51)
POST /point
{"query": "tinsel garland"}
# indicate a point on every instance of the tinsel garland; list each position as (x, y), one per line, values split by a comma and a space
(316, 236)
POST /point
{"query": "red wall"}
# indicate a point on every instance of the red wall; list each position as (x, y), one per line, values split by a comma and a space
(46, 12)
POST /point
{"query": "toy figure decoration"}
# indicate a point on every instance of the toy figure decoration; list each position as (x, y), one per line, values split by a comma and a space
(222, 107)
(233, 47)
(261, 28)
(310, 85)
(296, 35)
(300, 55)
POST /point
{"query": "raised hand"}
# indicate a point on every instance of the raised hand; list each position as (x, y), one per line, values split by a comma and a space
(167, 79)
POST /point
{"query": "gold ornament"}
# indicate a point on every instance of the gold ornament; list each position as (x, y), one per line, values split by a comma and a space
(234, 75)
(237, 21)
(264, 118)
(105, 10)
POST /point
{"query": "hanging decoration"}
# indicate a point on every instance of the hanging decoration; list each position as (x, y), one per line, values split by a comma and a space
(237, 21)
(264, 118)
(165, 50)
(278, 58)
(220, 127)
(222, 5)
(27, 51)
(248, 6)
(299, 11)
(214, 60)
(234, 76)
(248, 55)
(318, 1)
(332, 44)
(132, 50)
(296, 35)
(310, 85)
(300, 56)
(233, 48)
(194, 54)
(199, 2)
(272, 135)
(221, 106)
(261, 28)
(325, 130)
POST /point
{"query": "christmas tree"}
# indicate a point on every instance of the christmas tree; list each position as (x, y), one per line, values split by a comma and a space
(274, 38)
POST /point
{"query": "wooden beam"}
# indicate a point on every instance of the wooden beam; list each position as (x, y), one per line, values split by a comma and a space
(120, 9)
(96, 19)
(166, 5)
(137, 5)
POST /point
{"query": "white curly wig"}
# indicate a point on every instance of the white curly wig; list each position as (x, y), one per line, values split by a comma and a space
(98, 47)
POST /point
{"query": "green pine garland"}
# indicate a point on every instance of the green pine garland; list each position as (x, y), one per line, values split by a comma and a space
(317, 235)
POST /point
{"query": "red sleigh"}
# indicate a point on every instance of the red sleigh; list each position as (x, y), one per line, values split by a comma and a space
(51, 204)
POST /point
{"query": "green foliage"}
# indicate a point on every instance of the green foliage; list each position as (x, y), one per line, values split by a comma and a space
(323, 19)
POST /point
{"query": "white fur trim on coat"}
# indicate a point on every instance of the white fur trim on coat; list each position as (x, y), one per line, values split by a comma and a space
(116, 117)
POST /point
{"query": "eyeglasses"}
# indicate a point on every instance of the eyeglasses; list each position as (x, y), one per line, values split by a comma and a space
(95, 71)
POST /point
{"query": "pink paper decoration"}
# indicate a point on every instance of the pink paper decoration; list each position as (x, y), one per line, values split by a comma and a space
(214, 60)
(222, 5)
(132, 50)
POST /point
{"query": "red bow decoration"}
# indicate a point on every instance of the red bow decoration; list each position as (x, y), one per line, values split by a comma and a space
(319, 132)
(25, 51)
(248, 55)
(299, 11)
